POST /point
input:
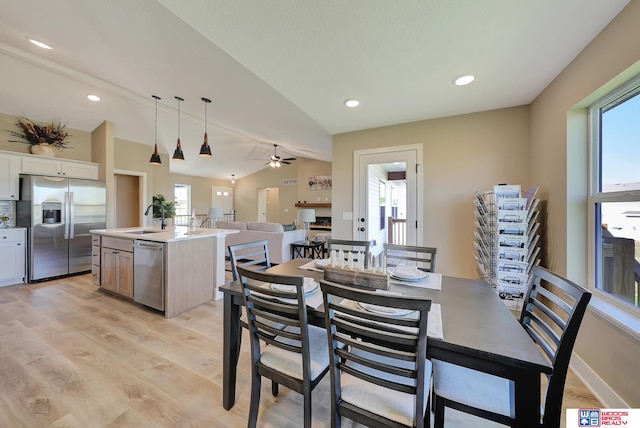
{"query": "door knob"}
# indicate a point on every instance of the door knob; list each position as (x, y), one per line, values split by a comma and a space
(362, 219)
(362, 229)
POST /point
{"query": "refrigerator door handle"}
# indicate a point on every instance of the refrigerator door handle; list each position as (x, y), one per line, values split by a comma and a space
(71, 216)
(66, 215)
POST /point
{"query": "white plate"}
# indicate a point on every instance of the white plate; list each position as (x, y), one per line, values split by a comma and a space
(309, 286)
(408, 274)
(383, 310)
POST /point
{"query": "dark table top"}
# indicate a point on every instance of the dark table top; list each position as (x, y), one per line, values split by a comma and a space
(476, 323)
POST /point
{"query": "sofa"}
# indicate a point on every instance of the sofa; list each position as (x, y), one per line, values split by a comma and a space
(274, 233)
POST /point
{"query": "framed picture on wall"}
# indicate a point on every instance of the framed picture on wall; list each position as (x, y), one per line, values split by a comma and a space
(320, 182)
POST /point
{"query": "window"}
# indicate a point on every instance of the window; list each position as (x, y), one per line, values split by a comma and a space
(615, 192)
(182, 195)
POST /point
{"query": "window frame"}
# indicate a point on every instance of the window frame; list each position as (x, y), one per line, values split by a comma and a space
(188, 188)
(612, 99)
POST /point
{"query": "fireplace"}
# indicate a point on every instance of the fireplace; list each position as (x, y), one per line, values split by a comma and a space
(322, 223)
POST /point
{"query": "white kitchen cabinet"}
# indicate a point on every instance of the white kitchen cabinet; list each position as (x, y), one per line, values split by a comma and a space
(9, 171)
(13, 260)
(42, 165)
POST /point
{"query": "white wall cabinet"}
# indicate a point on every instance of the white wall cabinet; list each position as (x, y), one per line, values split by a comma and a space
(9, 171)
(12, 164)
(51, 166)
(13, 260)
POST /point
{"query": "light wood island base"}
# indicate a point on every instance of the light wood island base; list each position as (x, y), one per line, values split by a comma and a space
(193, 264)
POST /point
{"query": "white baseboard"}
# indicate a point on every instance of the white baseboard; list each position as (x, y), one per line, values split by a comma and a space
(603, 392)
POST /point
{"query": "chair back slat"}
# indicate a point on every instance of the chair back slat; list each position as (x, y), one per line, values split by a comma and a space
(262, 302)
(250, 254)
(377, 331)
(384, 350)
(551, 314)
(408, 389)
(424, 258)
(553, 311)
(351, 246)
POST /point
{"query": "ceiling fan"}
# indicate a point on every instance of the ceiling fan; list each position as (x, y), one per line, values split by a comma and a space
(276, 161)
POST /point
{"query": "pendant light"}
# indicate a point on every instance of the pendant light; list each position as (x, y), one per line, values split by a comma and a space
(205, 150)
(155, 157)
(233, 179)
(177, 154)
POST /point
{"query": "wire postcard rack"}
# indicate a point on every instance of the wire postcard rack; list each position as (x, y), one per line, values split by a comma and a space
(507, 239)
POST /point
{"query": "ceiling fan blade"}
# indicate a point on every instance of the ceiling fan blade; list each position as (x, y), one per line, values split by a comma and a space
(288, 159)
(285, 162)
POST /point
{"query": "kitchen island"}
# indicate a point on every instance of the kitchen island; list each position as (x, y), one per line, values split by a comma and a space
(193, 265)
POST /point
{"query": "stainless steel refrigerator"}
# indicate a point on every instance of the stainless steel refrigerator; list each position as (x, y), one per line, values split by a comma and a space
(59, 213)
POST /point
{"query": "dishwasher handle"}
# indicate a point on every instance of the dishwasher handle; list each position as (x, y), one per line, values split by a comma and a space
(148, 245)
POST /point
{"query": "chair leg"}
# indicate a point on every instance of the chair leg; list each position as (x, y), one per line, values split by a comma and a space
(438, 403)
(239, 342)
(274, 388)
(255, 400)
(427, 412)
(307, 409)
(336, 419)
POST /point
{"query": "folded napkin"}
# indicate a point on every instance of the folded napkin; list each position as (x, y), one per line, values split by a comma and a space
(434, 328)
(432, 281)
(310, 266)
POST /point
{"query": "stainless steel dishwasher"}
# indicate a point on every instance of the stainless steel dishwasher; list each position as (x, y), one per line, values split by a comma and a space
(148, 273)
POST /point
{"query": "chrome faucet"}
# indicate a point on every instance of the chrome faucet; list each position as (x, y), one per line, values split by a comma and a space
(163, 224)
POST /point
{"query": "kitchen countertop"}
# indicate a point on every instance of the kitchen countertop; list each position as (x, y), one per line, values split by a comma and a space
(156, 234)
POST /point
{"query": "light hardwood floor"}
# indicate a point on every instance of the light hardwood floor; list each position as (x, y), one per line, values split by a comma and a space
(73, 356)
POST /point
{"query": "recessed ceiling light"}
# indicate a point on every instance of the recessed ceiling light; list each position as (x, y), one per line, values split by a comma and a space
(352, 103)
(92, 97)
(464, 80)
(40, 44)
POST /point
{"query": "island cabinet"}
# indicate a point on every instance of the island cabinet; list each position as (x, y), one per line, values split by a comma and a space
(96, 249)
(193, 264)
(116, 265)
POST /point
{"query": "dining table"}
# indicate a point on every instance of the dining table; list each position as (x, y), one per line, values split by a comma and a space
(478, 332)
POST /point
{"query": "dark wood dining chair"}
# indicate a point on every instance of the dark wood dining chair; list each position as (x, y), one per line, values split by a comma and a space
(349, 246)
(296, 356)
(424, 258)
(552, 314)
(380, 376)
(254, 255)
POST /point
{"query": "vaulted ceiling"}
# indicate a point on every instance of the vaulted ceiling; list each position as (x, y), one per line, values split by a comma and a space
(278, 72)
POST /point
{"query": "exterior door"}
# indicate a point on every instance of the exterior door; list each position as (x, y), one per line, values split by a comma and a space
(222, 197)
(370, 179)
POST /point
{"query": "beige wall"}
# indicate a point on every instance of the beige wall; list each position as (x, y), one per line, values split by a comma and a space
(245, 197)
(79, 141)
(559, 164)
(132, 156)
(462, 154)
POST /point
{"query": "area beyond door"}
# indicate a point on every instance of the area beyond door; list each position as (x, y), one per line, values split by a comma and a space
(370, 177)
